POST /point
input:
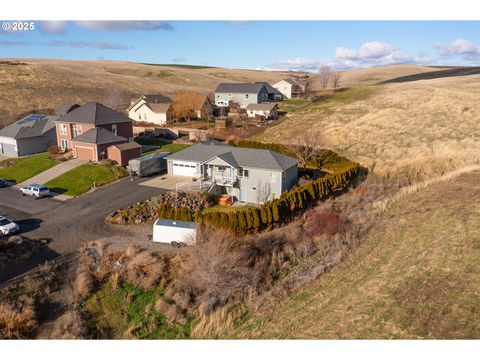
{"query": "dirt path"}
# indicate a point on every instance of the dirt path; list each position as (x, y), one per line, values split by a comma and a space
(415, 276)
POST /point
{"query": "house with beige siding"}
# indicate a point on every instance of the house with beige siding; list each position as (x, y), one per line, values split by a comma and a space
(267, 110)
(291, 88)
(155, 109)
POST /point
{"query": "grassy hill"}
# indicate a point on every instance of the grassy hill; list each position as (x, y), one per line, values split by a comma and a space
(415, 129)
(46, 84)
(414, 276)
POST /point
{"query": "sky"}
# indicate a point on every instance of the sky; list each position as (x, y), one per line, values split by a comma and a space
(270, 45)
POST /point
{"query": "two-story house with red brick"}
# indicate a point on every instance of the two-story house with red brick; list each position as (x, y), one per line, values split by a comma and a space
(91, 129)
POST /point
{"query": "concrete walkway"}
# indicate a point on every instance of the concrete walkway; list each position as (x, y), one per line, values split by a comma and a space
(53, 172)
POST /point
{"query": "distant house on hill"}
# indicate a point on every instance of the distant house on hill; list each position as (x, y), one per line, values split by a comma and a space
(292, 88)
(30, 135)
(203, 106)
(267, 111)
(154, 109)
(244, 94)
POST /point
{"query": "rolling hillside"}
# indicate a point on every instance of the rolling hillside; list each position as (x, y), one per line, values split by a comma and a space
(414, 129)
(415, 276)
(27, 84)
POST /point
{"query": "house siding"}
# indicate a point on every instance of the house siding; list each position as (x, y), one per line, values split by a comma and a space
(138, 113)
(29, 146)
(8, 147)
(284, 87)
(242, 99)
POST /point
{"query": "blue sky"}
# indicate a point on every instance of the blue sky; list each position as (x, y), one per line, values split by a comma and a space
(276, 45)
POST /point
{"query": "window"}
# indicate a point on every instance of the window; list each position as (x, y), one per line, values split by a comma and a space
(64, 144)
(63, 129)
(139, 116)
(284, 177)
(114, 128)
(244, 173)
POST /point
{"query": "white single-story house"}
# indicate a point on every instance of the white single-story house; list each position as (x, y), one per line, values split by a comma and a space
(267, 110)
(154, 109)
(168, 231)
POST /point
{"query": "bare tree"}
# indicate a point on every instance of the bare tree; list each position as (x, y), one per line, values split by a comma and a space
(115, 98)
(306, 89)
(263, 191)
(325, 75)
(336, 77)
(308, 146)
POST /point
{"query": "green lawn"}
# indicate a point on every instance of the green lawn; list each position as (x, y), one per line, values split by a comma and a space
(165, 145)
(129, 312)
(26, 167)
(79, 180)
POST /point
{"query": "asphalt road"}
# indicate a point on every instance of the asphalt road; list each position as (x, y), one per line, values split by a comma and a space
(71, 223)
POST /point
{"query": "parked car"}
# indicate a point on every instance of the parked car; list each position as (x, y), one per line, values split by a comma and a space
(35, 190)
(7, 226)
(3, 183)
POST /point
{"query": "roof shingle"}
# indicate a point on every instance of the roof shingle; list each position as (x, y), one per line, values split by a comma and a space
(243, 157)
(94, 113)
(98, 136)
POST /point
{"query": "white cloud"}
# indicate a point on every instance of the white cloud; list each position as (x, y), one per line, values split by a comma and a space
(297, 64)
(89, 44)
(466, 49)
(373, 53)
(60, 27)
(125, 25)
(53, 27)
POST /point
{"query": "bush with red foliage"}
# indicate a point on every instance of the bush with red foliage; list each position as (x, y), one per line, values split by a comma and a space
(324, 223)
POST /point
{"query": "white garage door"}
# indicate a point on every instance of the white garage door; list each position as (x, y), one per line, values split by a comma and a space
(184, 168)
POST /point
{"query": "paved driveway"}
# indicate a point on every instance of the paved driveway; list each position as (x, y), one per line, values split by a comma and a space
(53, 172)
(166, 181)
(70, 224)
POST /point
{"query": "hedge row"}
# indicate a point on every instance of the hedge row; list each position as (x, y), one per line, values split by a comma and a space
(166, 211)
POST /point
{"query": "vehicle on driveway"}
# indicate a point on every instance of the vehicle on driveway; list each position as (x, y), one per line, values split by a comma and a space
(7, 226)
(3, 183)
(35, 190)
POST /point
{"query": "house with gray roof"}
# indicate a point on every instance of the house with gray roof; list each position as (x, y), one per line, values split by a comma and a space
(30, 135)
(249, 175)
(89, 130)
(244, 94)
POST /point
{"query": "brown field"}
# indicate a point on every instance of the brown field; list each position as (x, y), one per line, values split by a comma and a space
(47, 84)
(415, 276)
(419, 129)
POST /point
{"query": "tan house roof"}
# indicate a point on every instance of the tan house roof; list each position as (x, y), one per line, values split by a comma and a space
(160, 108)
(151, 99)
(127, 146)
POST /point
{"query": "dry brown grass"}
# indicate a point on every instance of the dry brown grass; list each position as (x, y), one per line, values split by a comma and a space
(47, 84)
(414, 276)
(416, 130)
